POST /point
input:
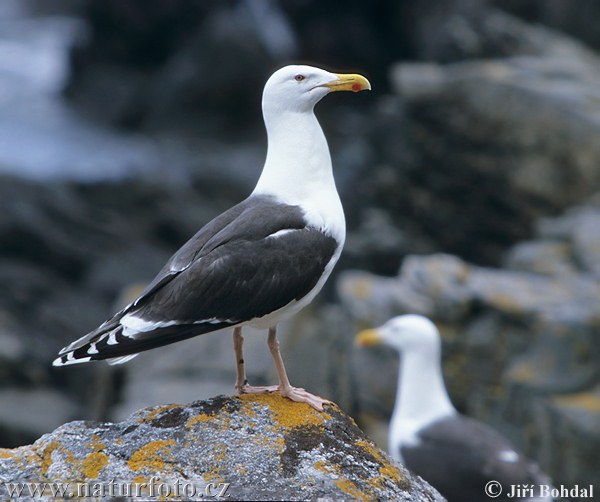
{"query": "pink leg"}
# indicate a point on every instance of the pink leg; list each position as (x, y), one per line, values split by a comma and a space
(286, 390)
(241, 383)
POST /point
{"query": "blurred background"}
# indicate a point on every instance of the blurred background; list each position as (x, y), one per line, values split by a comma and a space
(470, 178)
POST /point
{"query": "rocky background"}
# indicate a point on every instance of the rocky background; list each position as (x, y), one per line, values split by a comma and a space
(470, 178)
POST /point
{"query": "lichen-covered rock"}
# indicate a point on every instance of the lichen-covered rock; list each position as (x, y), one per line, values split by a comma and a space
(259, 447)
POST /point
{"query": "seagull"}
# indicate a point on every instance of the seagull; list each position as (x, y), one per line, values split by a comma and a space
(256, 264)
(458, 455)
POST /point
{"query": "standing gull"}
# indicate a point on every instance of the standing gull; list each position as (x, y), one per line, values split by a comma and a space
(256, 264)
(458, 455)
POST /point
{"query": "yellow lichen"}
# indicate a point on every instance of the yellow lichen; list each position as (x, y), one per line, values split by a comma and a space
(219, 459)
(202, 417)
(150, 456)
(5, 453)
(157, 411)
(342, 482)
(46, 455)
(386, 470)
(93, 464)
(140, 480)
(349, 488)
(95, 443)
(287, 414)
(589, 401)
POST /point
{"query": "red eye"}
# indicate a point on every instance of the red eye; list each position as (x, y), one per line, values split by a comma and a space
(299, 78)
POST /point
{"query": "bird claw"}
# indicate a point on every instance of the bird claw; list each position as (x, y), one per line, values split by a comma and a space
(301, 396)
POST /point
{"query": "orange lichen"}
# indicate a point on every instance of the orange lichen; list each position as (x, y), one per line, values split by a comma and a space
(95, 443)
(157, 411)
(202, 417)
(150, 456)
(589, 401)
(139, 480)
(287, 414)
(342, 482)
(93, 464)
(46, 455)
(349, 488)
(5, 453)
(219, 458)
(386, 470)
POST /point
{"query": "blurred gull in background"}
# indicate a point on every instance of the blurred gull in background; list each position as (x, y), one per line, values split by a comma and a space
(459, 456)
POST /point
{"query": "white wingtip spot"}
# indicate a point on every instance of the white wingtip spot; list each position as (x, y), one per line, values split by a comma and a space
(71, 359)
(112, 339)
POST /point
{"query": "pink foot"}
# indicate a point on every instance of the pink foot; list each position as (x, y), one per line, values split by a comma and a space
(302, 396)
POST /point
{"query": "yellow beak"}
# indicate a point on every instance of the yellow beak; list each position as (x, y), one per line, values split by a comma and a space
(367, 338)
(349, 82)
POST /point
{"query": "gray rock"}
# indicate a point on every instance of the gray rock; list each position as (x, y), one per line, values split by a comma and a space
(255, 447)
(544, 257)
(478, 148)
(580, 227)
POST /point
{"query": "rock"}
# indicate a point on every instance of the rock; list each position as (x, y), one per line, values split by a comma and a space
(544, 257)
(521, 129)
(470, 29)
(573, 447)
(578, 226)
(561, 15)
(260, 447)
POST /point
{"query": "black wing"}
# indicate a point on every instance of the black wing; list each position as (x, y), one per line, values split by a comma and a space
(459, 455)
(250, 261)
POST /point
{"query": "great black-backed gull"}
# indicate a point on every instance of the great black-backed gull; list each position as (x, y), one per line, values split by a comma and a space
(258, 263)
(464, 459)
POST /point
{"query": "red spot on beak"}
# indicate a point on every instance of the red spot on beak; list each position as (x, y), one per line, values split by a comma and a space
(355, 87)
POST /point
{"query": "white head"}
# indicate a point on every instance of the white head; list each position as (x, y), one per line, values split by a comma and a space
(299, 87)
(405, 333)
(421, 397)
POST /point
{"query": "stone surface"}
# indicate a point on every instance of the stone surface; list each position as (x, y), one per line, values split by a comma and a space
(263, 447)
(465, 156)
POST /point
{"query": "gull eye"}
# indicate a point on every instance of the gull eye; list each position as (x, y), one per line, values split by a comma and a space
(299, 78)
